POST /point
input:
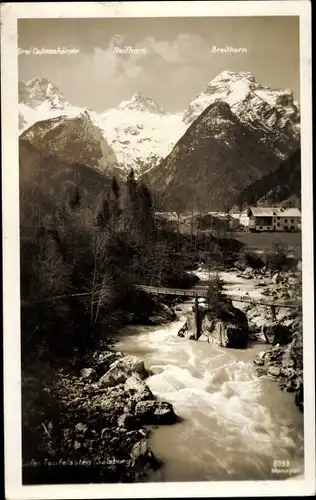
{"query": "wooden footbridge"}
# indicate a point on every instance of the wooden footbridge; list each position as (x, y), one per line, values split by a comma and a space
(196, 293)
(202, 292)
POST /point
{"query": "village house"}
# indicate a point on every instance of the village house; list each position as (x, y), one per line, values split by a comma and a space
(271, 219)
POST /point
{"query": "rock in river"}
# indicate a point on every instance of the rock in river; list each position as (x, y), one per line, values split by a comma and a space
(155, 413)
(223, 325)
(274, 370)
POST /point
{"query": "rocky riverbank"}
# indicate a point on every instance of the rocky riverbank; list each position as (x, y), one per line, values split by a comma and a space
(230, 326)
(284, 359)
(87, 419)
(94, 425)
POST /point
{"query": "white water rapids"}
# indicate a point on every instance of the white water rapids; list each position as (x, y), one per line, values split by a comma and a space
(234, 424)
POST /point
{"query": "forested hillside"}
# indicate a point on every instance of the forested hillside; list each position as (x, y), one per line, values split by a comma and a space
(280, 187)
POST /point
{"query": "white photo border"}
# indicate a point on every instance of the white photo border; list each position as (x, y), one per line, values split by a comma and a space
(10, 13)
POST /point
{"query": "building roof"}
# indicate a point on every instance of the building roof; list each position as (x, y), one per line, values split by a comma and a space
(235, 215)
(263, 211)
(275, 212)
(289, 212)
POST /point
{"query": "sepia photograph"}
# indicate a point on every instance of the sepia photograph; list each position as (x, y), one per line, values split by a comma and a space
(159, 313)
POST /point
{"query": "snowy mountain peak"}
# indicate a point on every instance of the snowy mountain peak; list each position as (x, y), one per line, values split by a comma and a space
(233, 76)
(40, 99)
(252, 103)
(141, 103)
(39, 90)
(41, 82)
(84, 115)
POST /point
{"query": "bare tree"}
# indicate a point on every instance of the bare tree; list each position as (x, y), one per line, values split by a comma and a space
(102, 284)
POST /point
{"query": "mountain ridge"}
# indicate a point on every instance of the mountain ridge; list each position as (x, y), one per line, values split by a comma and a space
(217, 156)
(260, 106)
(139, 134)
(138, 129)
(281, 187)
(73, 140)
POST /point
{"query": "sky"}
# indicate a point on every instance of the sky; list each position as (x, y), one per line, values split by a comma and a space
(175, 66)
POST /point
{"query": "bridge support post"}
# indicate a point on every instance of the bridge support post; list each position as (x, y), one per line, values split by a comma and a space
(273, 313)
(197, 319)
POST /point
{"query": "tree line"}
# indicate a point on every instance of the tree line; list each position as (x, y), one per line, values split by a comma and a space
(71, 246)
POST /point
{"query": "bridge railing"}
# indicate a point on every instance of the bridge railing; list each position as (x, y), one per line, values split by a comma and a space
(203, 293)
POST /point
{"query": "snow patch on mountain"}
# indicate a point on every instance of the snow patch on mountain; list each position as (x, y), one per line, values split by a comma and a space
(140, 138)
(141, 103)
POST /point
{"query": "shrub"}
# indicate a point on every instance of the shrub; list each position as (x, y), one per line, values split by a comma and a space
(247, 258)
(276, 258)
(215, 292)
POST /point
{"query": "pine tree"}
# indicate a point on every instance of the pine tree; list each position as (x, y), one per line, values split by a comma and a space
(115, 208)
(115, 187)
(71, 196)
(131, 206)
(104, 215)
(146, 213)
(74, 201)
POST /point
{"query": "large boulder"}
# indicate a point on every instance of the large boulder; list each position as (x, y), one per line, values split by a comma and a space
(141, 454)
(299, 397)
(274, 370)
(188, 330)
(228, 335)
(223, 325)
(248, 273)
(261, 282)
(112, 378)
(123, 368)
(104, 361)
(276, 278)
(168, 312)
(156, 319)
(110, 405)
(276, 333)
(140, 449)
(88, 374)
(138, 389)
(155, 413)
(161, 314)
(127, 421)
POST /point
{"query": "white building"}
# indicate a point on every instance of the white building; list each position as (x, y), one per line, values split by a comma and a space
(271, 219)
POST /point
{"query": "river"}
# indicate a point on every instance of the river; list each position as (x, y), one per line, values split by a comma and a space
(234, 425)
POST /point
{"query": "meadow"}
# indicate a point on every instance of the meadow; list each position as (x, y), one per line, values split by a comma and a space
(264, 241)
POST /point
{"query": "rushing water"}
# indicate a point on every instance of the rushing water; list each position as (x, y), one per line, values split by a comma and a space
(234, 424)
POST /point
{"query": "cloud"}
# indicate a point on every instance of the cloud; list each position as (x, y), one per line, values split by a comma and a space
(185, 48)
(105, 61)
(120, 74)
(118, 66)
